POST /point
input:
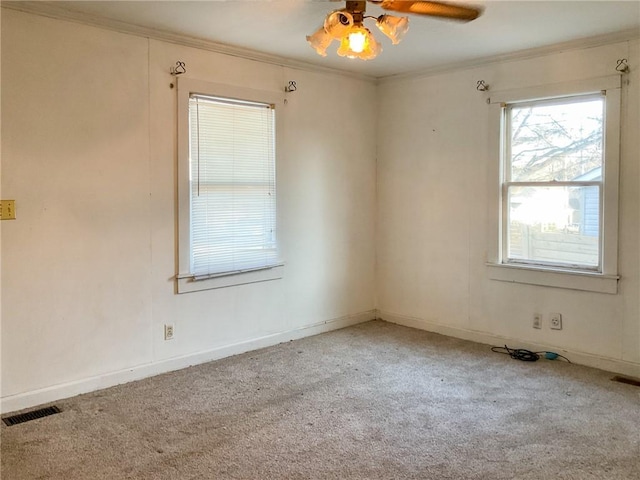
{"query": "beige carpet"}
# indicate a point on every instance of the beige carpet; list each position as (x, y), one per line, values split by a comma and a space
(375, 401)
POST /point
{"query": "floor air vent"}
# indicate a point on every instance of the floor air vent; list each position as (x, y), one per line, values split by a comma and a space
(630, 381)
(33, 415)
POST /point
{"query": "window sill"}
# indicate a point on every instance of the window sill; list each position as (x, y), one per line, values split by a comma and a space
(590, 282)
(188, 284)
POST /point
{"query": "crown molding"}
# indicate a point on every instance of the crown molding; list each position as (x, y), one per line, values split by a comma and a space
(51, 10)
(578, 44)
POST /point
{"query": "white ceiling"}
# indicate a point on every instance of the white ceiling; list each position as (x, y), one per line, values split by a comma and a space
(279, 27)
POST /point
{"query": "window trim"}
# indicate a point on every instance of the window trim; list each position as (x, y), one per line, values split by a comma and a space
(185, 280)
(605, 281)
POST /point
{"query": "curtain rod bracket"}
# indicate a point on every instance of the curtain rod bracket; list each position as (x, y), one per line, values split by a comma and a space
(622, 66)
(179, 69)
(481, 86)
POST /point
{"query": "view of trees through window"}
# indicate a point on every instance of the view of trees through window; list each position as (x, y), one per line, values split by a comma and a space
(554, 181)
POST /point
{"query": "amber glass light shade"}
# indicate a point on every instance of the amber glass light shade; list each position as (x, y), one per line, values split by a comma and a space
(320, 40)
(393, 27)
(338, 23)
(359, 43)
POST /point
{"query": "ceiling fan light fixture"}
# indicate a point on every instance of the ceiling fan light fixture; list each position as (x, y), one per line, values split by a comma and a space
(320, 41)
(356, 41)
(393, 27)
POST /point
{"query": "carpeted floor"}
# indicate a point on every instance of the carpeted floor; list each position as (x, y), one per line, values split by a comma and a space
(374, 401)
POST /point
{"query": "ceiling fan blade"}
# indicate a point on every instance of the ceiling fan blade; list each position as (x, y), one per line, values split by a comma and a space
(432, 9)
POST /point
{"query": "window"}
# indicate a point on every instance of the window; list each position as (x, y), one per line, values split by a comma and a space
(553, 182)
(227, 187)
(558, 185)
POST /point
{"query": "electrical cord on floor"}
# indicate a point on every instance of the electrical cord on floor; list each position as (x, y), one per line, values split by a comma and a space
(527, 355)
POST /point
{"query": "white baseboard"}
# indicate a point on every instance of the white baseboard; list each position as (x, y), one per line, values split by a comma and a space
(57, 392)
(581, 358)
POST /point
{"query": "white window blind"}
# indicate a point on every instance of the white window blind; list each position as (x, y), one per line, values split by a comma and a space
(232, 175)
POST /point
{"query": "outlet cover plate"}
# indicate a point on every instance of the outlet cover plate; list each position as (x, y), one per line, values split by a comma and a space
(168, 331)
(537, 320)
(555, 321)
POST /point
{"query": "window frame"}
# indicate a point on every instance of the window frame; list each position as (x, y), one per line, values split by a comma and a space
(186, 280)
(604, 279)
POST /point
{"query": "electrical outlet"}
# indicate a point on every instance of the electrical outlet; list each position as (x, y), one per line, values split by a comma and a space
(537, 320)
(168, 331)
(555, 321)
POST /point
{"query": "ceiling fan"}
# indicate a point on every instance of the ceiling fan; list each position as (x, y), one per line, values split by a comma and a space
(356, 41)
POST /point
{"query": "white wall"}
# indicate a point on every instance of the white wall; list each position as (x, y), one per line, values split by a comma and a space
(434, 191)
(89, 155)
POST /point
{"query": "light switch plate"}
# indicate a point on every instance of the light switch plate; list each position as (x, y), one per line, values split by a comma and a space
(7, 209)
